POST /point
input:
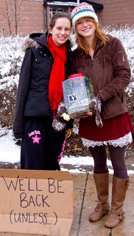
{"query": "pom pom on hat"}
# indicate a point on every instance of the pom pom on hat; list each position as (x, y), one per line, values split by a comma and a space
(83, 10)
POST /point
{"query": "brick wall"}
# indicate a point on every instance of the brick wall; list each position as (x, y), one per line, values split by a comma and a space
(116, 13)
(31, 14)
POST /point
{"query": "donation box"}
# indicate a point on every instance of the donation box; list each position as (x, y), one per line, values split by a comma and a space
(31, 201)
(78, 94)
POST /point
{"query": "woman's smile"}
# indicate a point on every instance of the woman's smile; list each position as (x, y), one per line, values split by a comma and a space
(86, 29)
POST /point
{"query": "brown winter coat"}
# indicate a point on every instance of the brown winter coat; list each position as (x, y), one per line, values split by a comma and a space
(109, 72)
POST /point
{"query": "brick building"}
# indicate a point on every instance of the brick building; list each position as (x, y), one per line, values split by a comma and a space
(30, 16)
(34, 15)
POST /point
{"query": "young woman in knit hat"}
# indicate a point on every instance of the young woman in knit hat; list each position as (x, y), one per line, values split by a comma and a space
(102, 58)
(45, 66)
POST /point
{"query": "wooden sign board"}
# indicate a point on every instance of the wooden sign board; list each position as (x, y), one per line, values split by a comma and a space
(31, 201)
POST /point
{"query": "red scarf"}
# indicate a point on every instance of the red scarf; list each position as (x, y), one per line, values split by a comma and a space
(57, 76)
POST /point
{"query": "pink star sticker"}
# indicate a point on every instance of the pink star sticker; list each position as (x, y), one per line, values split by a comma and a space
(36, 139)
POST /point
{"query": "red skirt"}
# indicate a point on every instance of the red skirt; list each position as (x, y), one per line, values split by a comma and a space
(112, 128)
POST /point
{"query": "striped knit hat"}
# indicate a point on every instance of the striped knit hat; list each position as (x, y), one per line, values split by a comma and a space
(83, 10)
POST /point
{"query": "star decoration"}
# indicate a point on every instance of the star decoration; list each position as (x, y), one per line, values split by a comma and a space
(36, 139)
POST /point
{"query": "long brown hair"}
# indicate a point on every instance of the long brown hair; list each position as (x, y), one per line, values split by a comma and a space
(99, 34)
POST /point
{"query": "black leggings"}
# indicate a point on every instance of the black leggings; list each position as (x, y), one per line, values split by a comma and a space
(117, 155)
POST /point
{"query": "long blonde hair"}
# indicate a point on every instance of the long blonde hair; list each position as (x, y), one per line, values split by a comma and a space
(99, 34)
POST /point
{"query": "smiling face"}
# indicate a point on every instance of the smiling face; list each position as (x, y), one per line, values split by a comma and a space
(61, 31)
(86, 28)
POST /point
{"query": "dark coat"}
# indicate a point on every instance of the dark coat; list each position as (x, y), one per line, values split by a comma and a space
(32, 96)
(109, 72)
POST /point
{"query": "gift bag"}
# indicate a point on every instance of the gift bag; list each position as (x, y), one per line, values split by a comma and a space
(78, 94)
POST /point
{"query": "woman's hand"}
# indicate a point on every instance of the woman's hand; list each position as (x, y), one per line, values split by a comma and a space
(90, 113)
(95, 105)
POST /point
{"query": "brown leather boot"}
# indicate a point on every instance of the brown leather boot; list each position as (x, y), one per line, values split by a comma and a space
(102, 187)
(118, 196)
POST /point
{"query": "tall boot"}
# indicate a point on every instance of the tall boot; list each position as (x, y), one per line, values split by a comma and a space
(118, 196)
(102, 187)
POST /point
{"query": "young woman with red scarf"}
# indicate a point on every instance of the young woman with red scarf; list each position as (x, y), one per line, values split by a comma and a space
(45, 66)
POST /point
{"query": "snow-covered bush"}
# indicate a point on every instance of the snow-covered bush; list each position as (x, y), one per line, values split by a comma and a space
(10, 64)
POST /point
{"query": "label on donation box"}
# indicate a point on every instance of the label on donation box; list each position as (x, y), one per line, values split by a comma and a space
(31, 201)
(78, 94)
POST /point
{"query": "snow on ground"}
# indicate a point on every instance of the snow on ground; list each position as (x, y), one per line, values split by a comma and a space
(10, 152)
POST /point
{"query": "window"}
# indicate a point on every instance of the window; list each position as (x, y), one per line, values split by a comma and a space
(53, 10)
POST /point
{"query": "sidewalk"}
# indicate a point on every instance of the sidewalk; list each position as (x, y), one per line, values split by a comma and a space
(86, 228)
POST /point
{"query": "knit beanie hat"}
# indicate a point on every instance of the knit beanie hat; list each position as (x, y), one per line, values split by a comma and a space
(83, 10)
